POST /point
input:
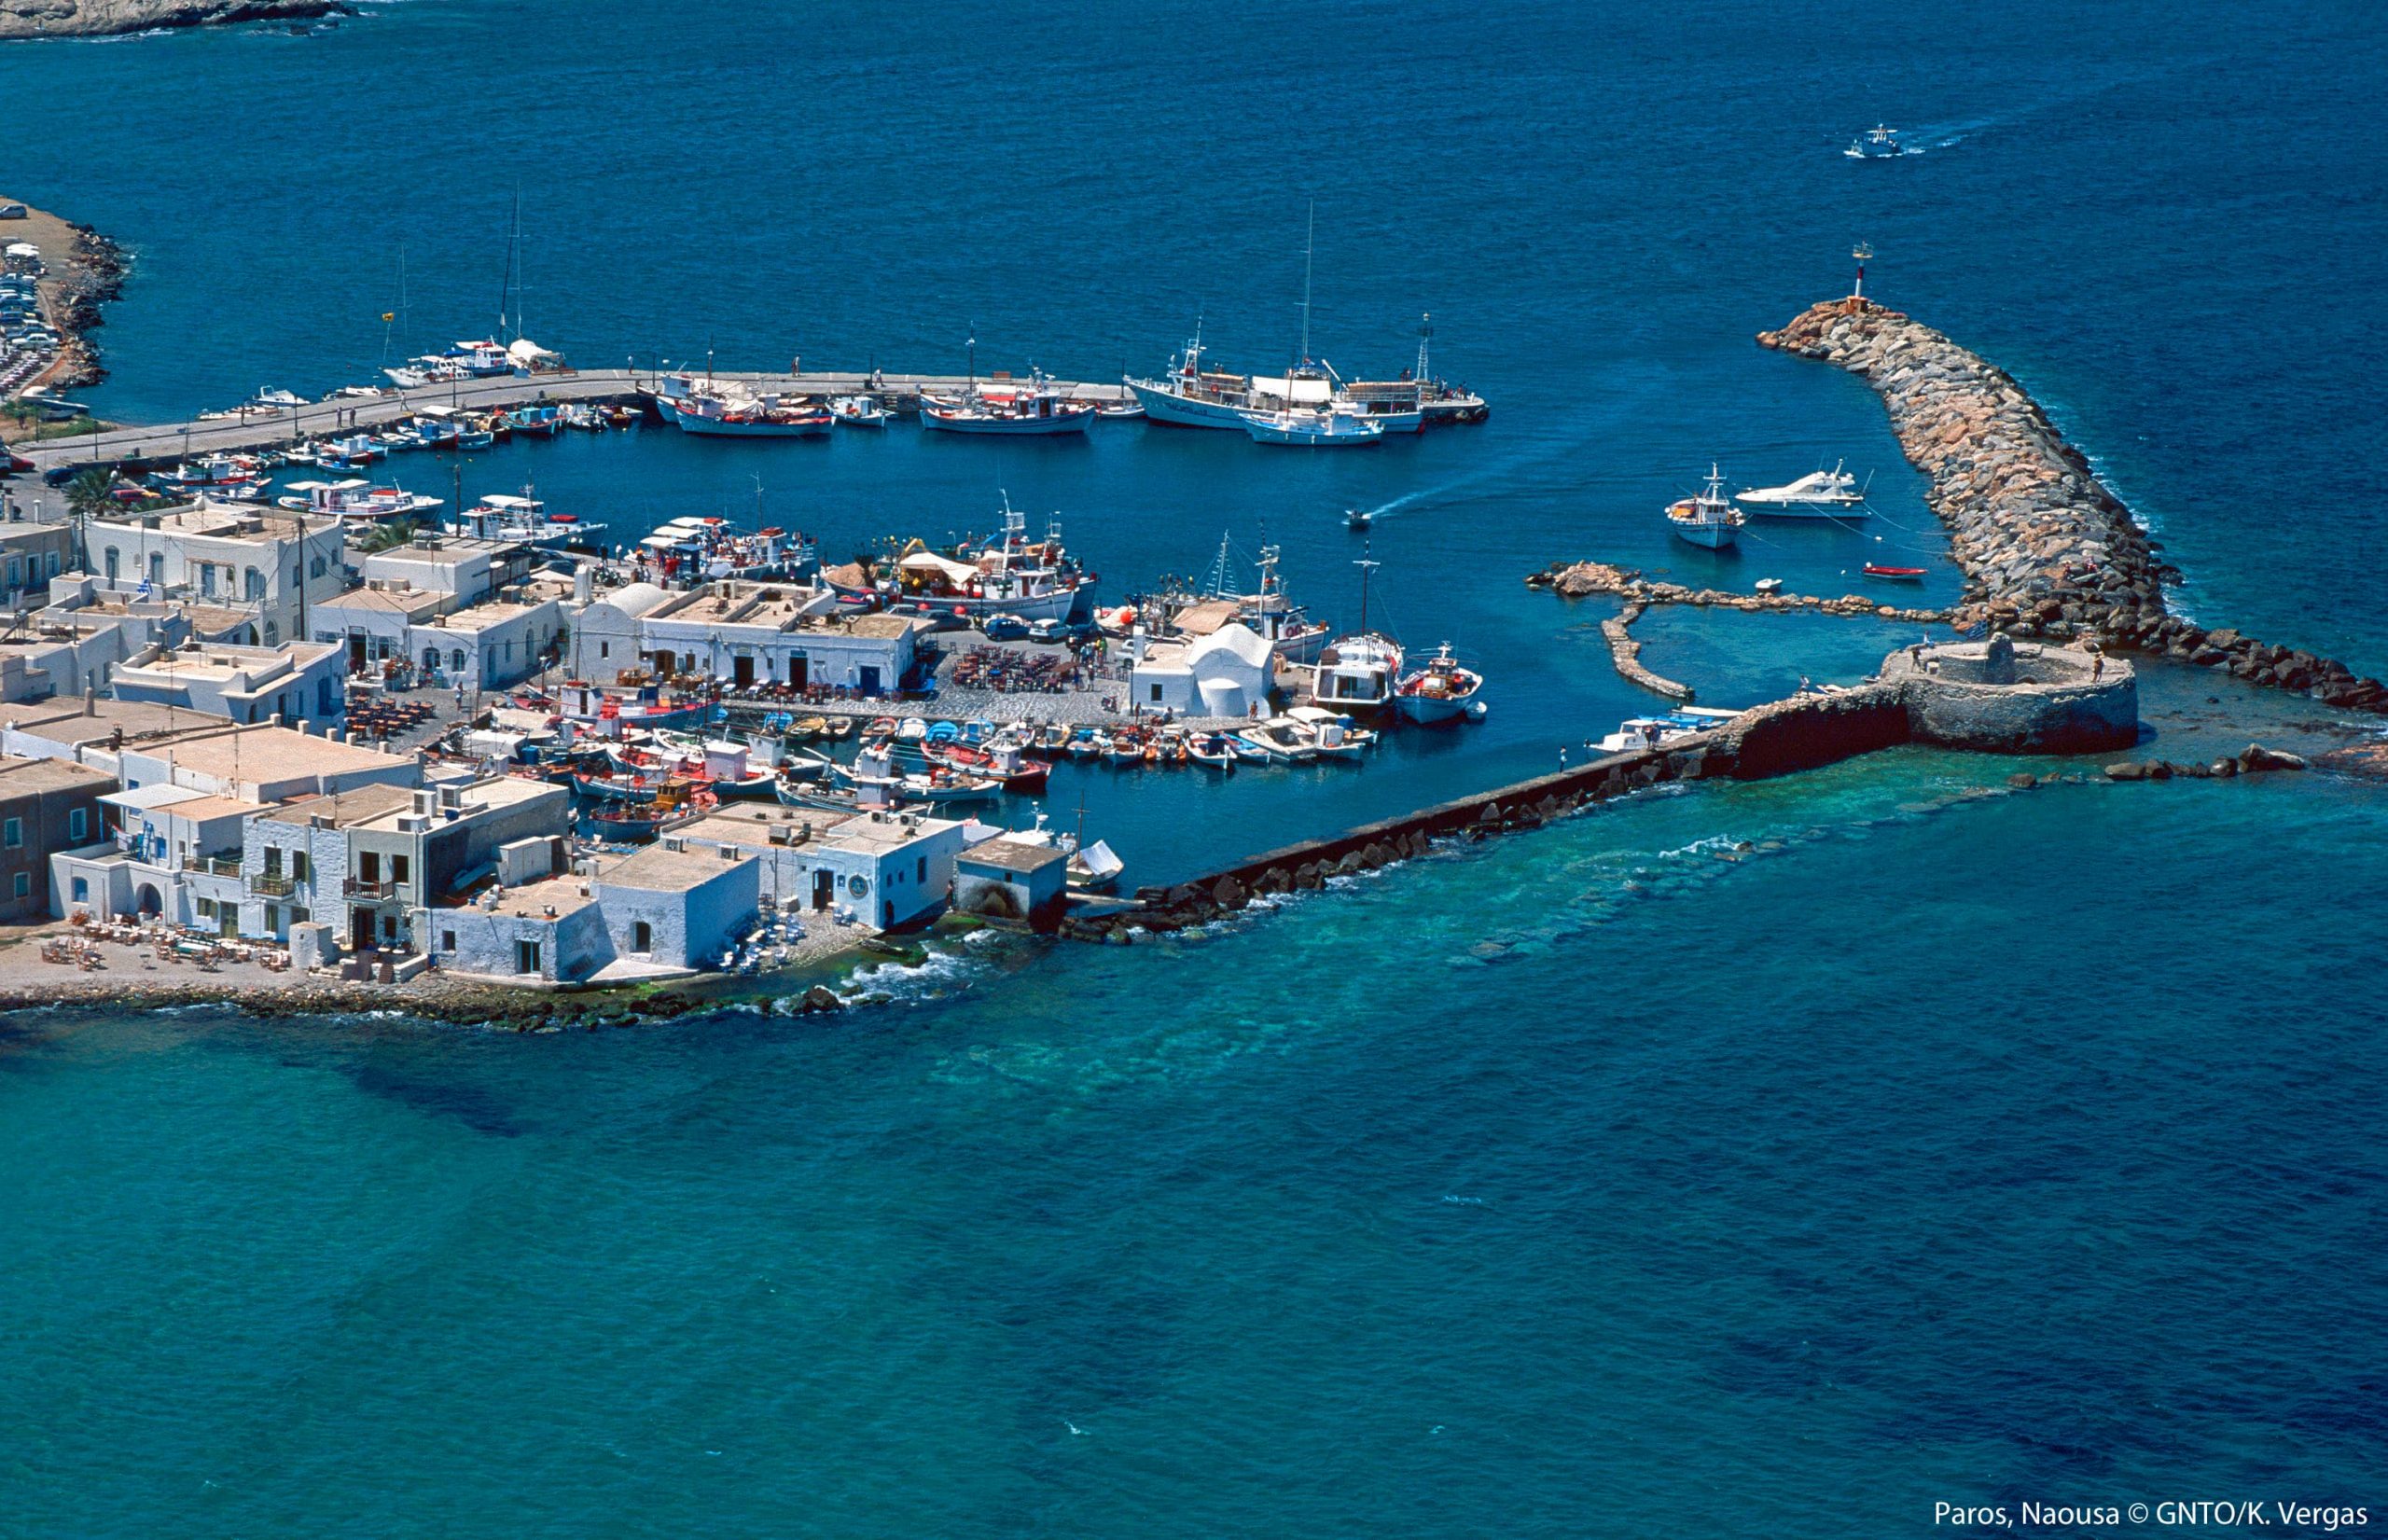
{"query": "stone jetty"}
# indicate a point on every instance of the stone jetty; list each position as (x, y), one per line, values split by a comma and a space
(1583, 579)
(2045, 547)
(1999, 696)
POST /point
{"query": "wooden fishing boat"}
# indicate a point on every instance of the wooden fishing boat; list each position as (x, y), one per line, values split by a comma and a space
(1895, 574)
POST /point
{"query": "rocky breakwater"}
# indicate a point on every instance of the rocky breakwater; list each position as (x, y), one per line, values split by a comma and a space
(20, 19)
(2045, 547)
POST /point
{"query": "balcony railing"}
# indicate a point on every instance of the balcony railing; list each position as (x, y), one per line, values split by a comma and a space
(222, 865)
(273, 885)
(357, 887)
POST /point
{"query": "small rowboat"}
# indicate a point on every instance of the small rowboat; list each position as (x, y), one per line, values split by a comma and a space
(1895, 574)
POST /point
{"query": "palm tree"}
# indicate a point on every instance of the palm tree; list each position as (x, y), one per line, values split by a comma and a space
(89, 495)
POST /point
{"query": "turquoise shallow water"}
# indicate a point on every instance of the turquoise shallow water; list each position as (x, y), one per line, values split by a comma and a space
(1611, 1180)
(1677, 1192)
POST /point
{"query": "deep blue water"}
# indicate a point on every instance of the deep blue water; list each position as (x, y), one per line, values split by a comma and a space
(2012, 1147)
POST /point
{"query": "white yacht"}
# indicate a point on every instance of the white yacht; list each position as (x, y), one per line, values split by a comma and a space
(1819, 495)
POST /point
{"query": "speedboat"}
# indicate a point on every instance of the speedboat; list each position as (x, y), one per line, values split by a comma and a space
(1443, 691)
(1308, 428)
(1708, 520)
(1879, 142)
(1819, 495)
(1357, 519)
(859, 411)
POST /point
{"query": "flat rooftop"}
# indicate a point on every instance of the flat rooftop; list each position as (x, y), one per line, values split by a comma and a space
(65, 721)
(271, 753)
(345, 809)
(24, 777)
(754, 828)
(1013, 855)
(563, 894)
(657, 870)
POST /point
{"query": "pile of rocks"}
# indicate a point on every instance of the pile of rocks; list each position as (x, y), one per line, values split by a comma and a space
(2045, 548)
(2255, 760)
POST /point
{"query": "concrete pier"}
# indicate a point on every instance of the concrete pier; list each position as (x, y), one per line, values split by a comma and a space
(267, 428)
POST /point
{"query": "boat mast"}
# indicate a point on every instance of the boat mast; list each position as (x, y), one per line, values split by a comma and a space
(1309, 249)
(1426, 334)
(1366, 566)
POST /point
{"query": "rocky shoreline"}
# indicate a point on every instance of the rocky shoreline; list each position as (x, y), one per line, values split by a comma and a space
(82, 271)
(27, 18)
(2046, 549)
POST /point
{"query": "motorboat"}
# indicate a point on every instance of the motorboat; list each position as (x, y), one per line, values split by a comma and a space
(1283, 738)
(501, 516)
(1335, 735)
(859, 411)
(1443, 691)
(1708, 520)
(1893, 575)
(1819, 495)
(1650, 732)
(1357, 519)
(1306, 427)
(1879, 142)
(1212, 749)
(1119, 411)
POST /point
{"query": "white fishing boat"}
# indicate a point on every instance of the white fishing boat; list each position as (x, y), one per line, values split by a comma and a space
(357, 500)
(1879, 142)
(1036, 409)
(1709, 518)
(714, 408)
(1337, 736)
(1358, 673)
(501, 516)
(1307, 427)
(1819, 495)
(1281, 739)
(1650, 732)
(1443, 691)
(859, 411)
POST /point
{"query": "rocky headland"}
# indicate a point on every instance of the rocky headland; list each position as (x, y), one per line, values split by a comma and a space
(2045, 547)
(82, 271)
(99, 18)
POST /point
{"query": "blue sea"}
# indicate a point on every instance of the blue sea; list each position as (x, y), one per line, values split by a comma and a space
(1779, 1158)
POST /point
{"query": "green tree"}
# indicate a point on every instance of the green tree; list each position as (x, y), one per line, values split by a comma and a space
(88, 495)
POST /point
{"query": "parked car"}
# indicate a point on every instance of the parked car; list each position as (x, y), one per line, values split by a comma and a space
(1005, 628)
(1047, 630)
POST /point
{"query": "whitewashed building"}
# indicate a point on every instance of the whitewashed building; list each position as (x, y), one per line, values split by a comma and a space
(1227, 673)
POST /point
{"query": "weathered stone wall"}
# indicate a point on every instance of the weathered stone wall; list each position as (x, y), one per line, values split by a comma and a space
(2045, 548)
(2038, 701)
(1808, 731)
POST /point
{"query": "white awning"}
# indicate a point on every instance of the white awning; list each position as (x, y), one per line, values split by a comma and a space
(1291, 389)
(929, 560)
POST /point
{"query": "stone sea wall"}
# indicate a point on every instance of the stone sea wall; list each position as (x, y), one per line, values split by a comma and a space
(2045, 548)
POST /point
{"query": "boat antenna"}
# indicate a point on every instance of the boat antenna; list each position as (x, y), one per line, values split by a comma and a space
(971, 349)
